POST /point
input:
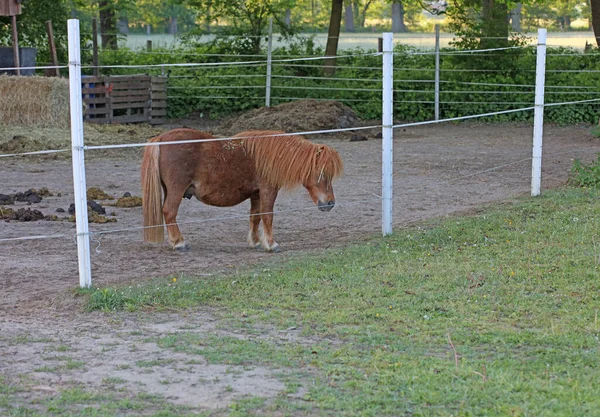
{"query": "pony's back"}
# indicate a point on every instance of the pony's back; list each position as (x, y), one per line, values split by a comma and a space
(285, 160)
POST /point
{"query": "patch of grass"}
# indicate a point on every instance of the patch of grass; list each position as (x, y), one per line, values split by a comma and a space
(247, 407)
(71, 364)
(76, 402)
(62, 348)
(585, 175)
(45, 368)
(493, 314)
(154, 362)
(27, 339)
(113, 380)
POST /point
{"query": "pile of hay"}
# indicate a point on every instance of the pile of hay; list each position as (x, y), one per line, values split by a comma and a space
(41, 102)
(297, 116)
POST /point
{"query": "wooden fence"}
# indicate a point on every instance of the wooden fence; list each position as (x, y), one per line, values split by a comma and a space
(125, 99)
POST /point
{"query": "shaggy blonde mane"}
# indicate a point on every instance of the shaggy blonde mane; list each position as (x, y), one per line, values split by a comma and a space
(287, 161)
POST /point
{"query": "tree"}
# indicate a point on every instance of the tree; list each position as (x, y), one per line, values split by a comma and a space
(333, 35)
(480, 23)
(398, 25)
(248, 18)
(349, 16)
(32, 27)
(515, 17)
(108, 24)
(494, 23)
(595, 6)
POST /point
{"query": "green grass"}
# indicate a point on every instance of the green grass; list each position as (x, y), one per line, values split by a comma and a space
(494, 314)
(76, 402)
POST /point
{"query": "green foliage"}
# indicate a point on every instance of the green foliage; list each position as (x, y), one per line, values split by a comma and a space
(585, 175)
(470, 83)
(246, 18)
(32, 27)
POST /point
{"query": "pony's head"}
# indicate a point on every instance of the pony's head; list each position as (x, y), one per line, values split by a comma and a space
(319, 182)
(287, 161)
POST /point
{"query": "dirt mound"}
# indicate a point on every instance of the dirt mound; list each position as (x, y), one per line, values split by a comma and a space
(30, 196)
(18, 139)
(95, 193)
(127, 202)
(297, 116)
(92, 207)
(22, 215)
(20, 144)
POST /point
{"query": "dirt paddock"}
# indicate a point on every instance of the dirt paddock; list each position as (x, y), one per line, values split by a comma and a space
(438, 170)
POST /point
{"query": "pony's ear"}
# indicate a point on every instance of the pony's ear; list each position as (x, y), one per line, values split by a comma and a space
(320, 149)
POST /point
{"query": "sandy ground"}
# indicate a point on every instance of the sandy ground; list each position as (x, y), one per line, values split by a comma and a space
(438, 170)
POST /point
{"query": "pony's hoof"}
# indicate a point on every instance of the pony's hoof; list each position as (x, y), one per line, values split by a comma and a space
(254, 245)
(275, 248)
(182, 248)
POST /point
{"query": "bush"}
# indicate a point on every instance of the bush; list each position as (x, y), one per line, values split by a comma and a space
(470, 83)
(585, 175)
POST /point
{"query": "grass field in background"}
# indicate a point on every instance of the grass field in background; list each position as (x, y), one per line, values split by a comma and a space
(575, 40)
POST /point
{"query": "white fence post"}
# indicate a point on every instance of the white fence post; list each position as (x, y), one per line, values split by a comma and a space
(269, 65)
(437, 72)
(538, 124)
(81, 212)
(387, 133)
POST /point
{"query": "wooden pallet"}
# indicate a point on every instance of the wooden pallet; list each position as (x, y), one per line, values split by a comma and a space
(125, 99)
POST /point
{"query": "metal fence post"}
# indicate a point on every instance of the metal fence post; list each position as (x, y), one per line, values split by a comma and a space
(437, 72)
(387, 133)
(269, 58)
(81, 211)
(538, 125)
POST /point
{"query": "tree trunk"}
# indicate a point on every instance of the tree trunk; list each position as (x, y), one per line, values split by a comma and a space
(335, 21)
(568, 23)
(398, 25)
(148, 29)
(595, 6)
(495, 24)
(73, 10)
(288, 17)
(173, 25)
(349, 15)
(108, 24)
(515, 17)
(362, 17)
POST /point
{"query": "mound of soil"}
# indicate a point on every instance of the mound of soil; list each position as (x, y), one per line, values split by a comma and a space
(20, 144)
(22, 215)
(30, 196)
(92, 206)
(6, 199)
(131, 201)
(297, 116)
(95, 193)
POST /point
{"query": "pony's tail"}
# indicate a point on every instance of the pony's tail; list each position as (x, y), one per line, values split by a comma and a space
(154, 232)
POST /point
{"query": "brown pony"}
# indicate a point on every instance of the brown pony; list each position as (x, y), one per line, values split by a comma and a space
(225, 173)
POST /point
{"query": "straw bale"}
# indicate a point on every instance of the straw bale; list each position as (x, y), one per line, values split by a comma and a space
(41, 102)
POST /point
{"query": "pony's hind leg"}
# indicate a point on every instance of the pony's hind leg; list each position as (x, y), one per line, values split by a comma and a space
(253, 236)
(170, 208)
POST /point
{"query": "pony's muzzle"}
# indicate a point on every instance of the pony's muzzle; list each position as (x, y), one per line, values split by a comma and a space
(326, 206)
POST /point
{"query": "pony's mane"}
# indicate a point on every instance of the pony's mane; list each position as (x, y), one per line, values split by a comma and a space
(286, 161)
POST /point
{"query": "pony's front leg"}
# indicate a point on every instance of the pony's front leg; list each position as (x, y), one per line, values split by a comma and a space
(170, 209)
(253, 236)
(267, 202)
